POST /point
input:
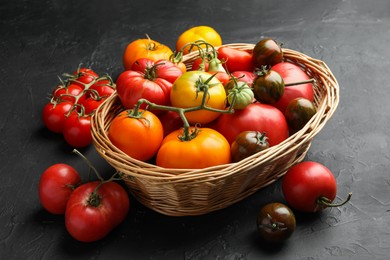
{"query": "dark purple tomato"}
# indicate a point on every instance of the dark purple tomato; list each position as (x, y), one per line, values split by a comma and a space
(248, 143)
(267, 52)
(298, 112)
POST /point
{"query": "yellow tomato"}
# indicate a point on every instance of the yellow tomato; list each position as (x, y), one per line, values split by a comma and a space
(188, 91)
(193, 34)
(145, 48)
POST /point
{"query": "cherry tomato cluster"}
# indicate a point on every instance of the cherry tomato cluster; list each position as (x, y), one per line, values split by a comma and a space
(92, 209)
(72, 104)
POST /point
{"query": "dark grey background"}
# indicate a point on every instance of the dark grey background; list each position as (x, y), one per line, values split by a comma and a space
(42, 39)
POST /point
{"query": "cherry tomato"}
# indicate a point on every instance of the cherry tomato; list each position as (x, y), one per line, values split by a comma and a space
(309, 186)
(77, 130)
(54, 115)
(151, 80)
(138, 136)
(267, 52)
(275, 222)
(298, 112)
(248, 143)
(200, 64)
(84, 76)
(255, 117)
(68, 93)
(205, 33)
(103, 88)
(145, 48)
(92, 211)
(206, 148)
(55, 186)
(188, 91)
(268, 86)
(91, 104)
(235, 60)
(292, 73)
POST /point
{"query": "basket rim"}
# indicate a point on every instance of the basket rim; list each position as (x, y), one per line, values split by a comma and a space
(325, 110)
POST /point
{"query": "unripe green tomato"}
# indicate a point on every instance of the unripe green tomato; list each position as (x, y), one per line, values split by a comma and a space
(242, 95)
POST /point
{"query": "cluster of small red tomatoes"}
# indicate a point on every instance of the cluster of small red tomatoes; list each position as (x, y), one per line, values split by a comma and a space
(73, 102)
(226, 105)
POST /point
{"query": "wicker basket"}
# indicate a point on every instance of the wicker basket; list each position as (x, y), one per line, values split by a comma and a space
(178, 192)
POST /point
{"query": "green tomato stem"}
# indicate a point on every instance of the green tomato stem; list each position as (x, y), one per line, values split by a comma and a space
(328, 203)
(300, 82)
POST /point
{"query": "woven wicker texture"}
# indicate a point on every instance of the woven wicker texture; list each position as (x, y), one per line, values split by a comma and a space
(184, 192)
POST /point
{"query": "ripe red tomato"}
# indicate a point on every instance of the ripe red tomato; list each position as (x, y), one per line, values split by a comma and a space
(90, 215)
(235, 60)
(152, 81)
(255, 117)
(208, 148)
(198, 64)
(68, 93)
(292, 73)
(91, 104)
(84, 76)
(55, 186)
(54, 115)
(246, 76)
(104, 88)
(145, 132)
(307, 184)
(77, 130)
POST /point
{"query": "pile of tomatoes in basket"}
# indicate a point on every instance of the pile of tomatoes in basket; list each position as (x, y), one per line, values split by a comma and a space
(203, 98)
(202, 105)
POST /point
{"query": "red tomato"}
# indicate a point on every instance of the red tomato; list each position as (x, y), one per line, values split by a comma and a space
(104, 88)
(246, 76)
(54, 115)
(306, 184)
(91, 215)
(208, 148)
(197, 65)
(55, 186)
(255, 117)
(146, 134)
(84, 76)
(90, 104)
(170, 121)
(235, 60)
(77, 130)
(68, 93)
(292, 73)
(152, 83)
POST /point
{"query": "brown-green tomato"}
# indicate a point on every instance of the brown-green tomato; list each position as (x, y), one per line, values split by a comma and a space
(248, 143)
(298, 112)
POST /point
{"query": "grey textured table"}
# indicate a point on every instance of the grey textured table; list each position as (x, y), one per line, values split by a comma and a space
(42, 39)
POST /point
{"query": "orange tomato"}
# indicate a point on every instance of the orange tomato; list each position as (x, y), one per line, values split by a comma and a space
(145, 48)
(140, 138)
(188, 92)
(208, 148)
(196, 33)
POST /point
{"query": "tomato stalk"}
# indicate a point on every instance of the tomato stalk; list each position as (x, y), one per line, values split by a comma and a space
(325, 202)
(260, 72)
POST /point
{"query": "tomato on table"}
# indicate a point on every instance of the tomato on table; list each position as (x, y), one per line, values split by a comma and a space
(55, 186)
(206, 148)
(77, 130)
(310, 187)
(54, 115)
(94, 209)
